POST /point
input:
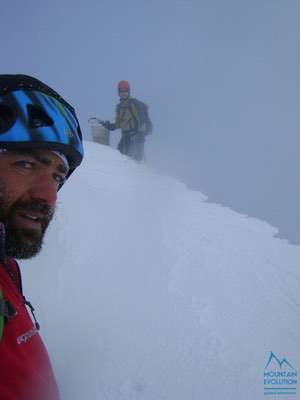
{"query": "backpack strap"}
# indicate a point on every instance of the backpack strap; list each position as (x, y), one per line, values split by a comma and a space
(6, 309)
(2, 243)
(135, 112)
(6, 312)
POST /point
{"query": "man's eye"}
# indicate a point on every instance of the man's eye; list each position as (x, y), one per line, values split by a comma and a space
(25, 164)
(60, 179)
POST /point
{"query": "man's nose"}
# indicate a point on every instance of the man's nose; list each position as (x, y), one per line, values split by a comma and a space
(44, 188)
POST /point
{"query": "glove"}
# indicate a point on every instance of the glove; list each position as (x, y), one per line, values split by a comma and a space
(106, 124)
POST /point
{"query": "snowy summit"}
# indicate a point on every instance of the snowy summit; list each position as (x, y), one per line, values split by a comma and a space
(144, 290)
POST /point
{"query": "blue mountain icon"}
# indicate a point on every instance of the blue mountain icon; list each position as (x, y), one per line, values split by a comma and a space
(276, 359)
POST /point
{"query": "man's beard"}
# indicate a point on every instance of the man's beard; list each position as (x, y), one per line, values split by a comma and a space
(23, 243)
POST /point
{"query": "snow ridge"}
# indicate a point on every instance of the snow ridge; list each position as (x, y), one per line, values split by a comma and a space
(147, 291)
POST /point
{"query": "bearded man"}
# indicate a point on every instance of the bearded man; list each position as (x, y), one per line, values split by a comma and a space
(40, 146)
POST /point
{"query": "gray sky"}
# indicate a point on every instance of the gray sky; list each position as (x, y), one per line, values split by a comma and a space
(221, 79)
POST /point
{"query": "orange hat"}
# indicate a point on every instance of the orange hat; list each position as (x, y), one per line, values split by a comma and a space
(123, 85)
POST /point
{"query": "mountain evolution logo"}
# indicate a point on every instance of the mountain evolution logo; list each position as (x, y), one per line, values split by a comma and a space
(280, 376)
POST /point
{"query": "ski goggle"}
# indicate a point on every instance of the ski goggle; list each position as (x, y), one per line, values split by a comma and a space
(33, 119)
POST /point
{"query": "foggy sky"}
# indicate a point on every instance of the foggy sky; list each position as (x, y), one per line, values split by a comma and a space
(221, 79)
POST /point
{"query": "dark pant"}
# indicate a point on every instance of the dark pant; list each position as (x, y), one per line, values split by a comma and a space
(132, 145)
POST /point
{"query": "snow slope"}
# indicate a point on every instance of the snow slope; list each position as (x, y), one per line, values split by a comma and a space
(146, 291)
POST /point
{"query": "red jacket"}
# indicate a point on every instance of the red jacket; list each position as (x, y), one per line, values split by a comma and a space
(25, 369)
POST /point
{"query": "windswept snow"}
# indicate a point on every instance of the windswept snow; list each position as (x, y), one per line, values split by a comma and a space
(144, 290)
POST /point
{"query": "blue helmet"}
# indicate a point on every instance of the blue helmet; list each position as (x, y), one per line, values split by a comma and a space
(32, 115)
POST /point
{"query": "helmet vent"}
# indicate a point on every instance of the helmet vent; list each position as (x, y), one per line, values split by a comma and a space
(37, 117)
(7, 117)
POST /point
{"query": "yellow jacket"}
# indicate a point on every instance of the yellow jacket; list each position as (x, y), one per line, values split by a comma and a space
(127, 117)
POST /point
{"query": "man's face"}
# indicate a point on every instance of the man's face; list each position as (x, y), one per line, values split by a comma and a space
(29, 181)
(123, 94)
